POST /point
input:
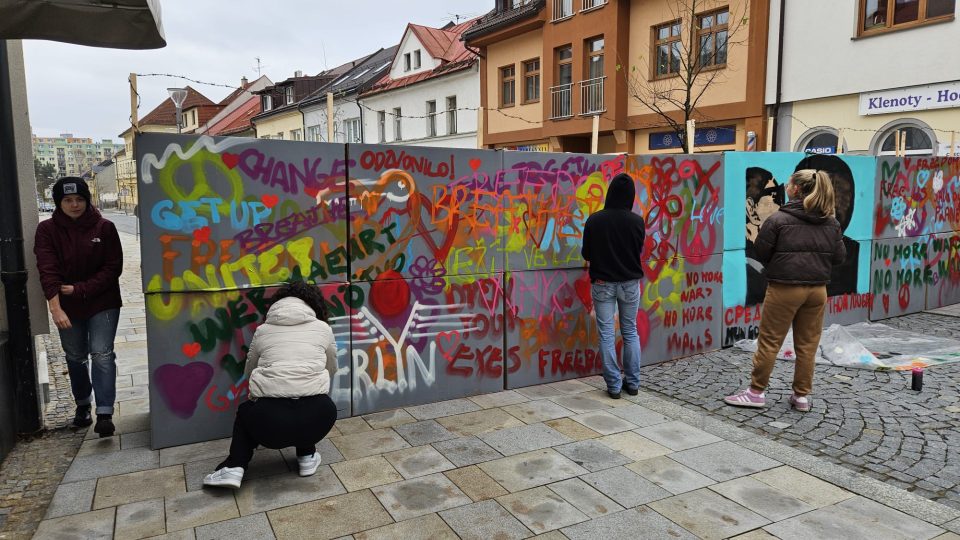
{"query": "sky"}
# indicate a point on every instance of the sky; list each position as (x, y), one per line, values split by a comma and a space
(84, 91)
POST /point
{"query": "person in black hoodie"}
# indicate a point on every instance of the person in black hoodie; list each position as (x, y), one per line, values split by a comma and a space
(798, 247)
(612, 244)
(80, 259)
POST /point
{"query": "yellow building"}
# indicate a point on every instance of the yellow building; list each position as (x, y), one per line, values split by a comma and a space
(549, 67)
(281, 117)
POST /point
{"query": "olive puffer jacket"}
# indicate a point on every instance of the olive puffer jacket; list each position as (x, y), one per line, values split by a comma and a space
(799, 248)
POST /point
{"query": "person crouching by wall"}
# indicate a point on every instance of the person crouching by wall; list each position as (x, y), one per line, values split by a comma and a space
(290, 363)
(798, 246)
(80, 260)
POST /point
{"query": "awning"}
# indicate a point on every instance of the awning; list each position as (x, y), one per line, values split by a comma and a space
(118, 24)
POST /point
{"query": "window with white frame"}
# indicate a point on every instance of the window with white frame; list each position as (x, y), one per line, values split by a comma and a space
(296, 134)
(451, 115)
(288, 93)
(313, 133)
(818, 141)
(266, 102)
(406, 62)
(431, 119)
(416, 59)
(351, 130)
(397, 134)
(381, 126)
(280, 136)
(917, 139)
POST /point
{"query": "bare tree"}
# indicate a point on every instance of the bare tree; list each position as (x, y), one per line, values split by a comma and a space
(689, 56)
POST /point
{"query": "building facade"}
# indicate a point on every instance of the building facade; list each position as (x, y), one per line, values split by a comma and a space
(72, 156)
(901, 82)
(431, 93)
(548, 67)
(280, 117)
(347, 115)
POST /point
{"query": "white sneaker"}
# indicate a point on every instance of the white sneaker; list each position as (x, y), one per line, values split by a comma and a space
(309, 464)
(225, 477)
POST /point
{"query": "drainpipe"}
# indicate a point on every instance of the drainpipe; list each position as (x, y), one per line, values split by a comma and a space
(776, 106)
(13, 272)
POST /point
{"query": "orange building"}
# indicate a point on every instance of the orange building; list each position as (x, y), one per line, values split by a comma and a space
(549, 66)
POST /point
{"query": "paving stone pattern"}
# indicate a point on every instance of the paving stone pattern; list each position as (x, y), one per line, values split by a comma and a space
(868, 421)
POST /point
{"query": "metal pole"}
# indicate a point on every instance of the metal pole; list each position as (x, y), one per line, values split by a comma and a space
(13, 272)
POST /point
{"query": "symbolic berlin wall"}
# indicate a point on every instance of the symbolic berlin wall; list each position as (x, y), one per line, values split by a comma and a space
(449, 273)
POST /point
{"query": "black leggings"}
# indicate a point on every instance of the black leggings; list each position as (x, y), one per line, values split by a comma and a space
(280, 423)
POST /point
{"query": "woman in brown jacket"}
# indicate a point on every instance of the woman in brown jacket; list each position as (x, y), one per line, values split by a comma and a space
(80, 260)
(798, 246)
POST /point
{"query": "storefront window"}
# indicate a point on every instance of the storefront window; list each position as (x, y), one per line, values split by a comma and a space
(919, 142)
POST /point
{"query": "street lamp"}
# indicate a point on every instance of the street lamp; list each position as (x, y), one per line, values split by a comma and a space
(178, 96)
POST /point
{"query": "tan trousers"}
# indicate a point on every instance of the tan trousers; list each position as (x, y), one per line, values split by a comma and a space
(802, 307)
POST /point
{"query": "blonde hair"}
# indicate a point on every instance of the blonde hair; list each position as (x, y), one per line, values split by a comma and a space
(816, 188)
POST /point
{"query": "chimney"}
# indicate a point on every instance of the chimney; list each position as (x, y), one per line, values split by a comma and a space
(298, 73)
(243, 82)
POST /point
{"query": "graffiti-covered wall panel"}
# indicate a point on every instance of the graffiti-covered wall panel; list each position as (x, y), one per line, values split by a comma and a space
(899, 276)
(197, 352)
(762, 179)
(228, 213)
(917, 196)
(551, 333)
(682, 201)
(418, 212)
(546, 199)
(943, 258)
(680, 308)
(422, 340)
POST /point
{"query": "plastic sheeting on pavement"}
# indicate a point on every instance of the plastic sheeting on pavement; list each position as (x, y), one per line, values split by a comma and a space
(873, 346)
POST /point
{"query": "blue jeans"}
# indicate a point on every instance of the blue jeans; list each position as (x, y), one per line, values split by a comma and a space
(93, 337)
(607, 297)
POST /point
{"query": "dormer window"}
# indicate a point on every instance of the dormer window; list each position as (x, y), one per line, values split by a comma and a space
(267, 102)
(416, 59)
(406, 62)
(288, 93)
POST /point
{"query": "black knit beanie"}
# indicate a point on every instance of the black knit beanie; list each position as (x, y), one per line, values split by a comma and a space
(70, 185)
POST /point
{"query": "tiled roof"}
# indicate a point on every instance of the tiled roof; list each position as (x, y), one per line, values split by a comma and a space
(166, 113)
(444, 45)
(238, 120)
(496, 19)
(366, 72)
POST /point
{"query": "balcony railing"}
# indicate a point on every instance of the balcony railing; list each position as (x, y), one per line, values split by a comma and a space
(562, 9)
(591, 96)
(592, 4)
(561, 97)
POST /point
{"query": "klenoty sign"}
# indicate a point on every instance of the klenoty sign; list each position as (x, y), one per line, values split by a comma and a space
(914, 98)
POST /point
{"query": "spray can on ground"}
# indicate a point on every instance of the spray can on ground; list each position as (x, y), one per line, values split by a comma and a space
(917, 380)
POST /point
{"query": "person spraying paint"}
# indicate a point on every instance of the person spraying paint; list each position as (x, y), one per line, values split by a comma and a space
(798, 246)
(80, 260)
(612, 244)
(290, 365)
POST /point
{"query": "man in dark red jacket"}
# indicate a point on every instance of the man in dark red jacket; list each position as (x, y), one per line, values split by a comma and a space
(80, 260)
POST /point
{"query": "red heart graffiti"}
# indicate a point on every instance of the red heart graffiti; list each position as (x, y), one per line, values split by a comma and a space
(582, 286)
(886, 303)
(230, 160)
(311, 191)
(201, 235)
(475, 163)
(269, 200)
(888, 262)
(181, 386)
(191, 349)
(448, 343)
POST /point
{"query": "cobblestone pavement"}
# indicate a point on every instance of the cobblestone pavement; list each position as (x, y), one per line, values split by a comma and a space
(870, 422)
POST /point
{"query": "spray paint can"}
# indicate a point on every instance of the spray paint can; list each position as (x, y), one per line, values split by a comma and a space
(917, 379)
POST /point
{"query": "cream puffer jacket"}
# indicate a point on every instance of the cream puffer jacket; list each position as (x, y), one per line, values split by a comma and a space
(292, 354)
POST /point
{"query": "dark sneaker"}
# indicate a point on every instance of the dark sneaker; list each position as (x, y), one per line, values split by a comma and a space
(630, 391)
(82, 417)
(104, 427)
(613, 395)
